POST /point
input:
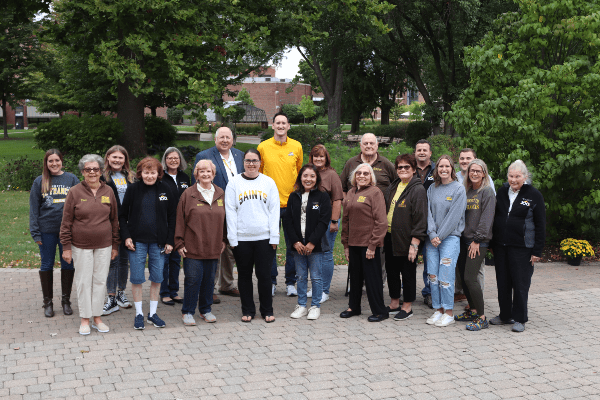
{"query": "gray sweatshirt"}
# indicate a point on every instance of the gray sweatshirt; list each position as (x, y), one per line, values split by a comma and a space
(479, 217)
(46, 209)
(446, 210)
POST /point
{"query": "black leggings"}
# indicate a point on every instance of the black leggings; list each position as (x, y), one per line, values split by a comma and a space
(259, 256)
(469, 270)
(397, 266)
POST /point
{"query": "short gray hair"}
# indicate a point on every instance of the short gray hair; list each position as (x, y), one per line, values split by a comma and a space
(353, 174)
(182, 163)
(520, 166)
(90, 158)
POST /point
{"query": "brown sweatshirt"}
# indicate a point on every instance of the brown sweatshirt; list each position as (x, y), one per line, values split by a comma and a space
(364, 223)
(200, 226)
(90, 222)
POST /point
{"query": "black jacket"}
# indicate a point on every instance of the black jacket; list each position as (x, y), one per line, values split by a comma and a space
(525, 225)
(318, 214)
(410, 215)
(182, 182)
(166, 209)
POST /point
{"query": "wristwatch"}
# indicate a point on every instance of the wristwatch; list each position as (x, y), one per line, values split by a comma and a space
(335, 221)
(415, 246)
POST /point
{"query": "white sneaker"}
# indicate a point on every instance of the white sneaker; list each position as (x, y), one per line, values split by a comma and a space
(324, 298)
(433, 319)
(299, 312)
(309, 294)
(445, 320)
(273, 290)
(188, 319)
(314, 312)
(291, 291)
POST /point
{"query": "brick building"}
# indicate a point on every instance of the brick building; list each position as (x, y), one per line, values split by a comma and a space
(24, 115)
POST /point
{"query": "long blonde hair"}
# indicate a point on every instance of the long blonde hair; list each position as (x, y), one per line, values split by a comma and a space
(108, 171)
(46, 175)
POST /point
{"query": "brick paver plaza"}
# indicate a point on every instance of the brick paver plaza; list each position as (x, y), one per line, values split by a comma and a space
(558, 356)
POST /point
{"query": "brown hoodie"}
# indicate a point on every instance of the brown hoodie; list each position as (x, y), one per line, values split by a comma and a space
(364, 223)
(90, 222)
(200, 226)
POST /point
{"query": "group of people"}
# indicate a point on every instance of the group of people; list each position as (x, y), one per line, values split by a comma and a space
(109, 225)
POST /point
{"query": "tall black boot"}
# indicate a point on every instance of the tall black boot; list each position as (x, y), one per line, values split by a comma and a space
(66, 282)
(46, 277)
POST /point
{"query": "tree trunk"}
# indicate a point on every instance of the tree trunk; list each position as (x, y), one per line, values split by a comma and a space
(385, 114)
(355, 123)
(153, 111)
(130, 111)
(4, 122)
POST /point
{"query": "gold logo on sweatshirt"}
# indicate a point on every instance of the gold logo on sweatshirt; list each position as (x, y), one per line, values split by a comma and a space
(83, 199)
(449, 198)
(361, 199)
(220, 202)
(403, 204)
(105, 200)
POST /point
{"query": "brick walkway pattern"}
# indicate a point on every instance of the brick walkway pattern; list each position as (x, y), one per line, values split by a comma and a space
(558, 356)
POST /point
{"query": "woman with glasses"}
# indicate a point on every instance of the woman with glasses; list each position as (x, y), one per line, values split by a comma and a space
(474, 242)
(406, 204)
(178, 181)
(364, 225)
(89, 234)
(252, 213)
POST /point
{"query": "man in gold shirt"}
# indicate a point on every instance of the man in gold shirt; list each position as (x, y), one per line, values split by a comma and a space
(281, 160)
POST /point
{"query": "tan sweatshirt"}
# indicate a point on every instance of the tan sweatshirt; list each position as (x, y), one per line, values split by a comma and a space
(90, 222)
(364, 223)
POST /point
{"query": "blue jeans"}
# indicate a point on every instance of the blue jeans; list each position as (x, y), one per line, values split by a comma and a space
(137, 262)
(198, 285)
(119, 271)
(290, 266)
(170, 284)
(328, 265)
(441, 262)
(313, 263)
(48, 252)
(426, 289)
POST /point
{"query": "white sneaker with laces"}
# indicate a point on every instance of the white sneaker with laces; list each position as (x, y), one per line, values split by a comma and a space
(309, 294)
(299, 312)
(314, 312)
(291, 291)
(188, 319)
(445, 320)
(433, 319)
(324, 298)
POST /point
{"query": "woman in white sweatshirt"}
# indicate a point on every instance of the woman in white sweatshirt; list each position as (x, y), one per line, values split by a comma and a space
(252, 214)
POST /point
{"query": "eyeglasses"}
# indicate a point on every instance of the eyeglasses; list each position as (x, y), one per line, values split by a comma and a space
(401, 167)
(90, 170)
(252, 161)
(476, 172)
(172, 158)
(359, 173)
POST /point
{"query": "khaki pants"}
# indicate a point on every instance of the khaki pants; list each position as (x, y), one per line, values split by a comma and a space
(225, 270)
(91, 271)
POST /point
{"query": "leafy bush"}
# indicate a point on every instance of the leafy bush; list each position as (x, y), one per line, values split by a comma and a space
(395, 130)
(174, 115)
(248, 129)
(32, 126)
(416, 131)
(443, 144)
(20, 173)
(9, 126)
(322, 120)
(293, 113)
(308, 136)
(160, 134)
(79, 135)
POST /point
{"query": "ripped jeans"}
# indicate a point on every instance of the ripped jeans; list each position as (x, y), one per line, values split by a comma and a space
(441, 262)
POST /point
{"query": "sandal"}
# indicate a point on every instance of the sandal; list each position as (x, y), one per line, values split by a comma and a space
(269, 321)
(250, 318)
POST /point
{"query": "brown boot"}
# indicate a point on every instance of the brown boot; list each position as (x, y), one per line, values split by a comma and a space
(66, 282)
(46, 278)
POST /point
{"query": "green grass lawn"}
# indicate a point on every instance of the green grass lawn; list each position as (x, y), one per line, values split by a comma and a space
(19, 143)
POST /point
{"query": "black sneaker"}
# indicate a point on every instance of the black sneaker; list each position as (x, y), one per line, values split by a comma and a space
(111, 305)
(122, 300)
(392, 311)
(159, 323)
(402, 315)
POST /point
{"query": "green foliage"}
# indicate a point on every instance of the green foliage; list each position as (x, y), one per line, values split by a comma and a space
(307, 107)
(443, 144)
(293, 113)
(307, 135)
(160, 134)
(416, 131)
(19, 174)
(394, 130)
(322, 120)
(234, 113)
(535, 96)
(249, 129)
(244, 97)
(9, 126)
(78, 136)
(174, 115)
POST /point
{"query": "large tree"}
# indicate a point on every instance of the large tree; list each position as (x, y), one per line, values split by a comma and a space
(427, 39)
(21, 60)
(178, 49)
(535, 95)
